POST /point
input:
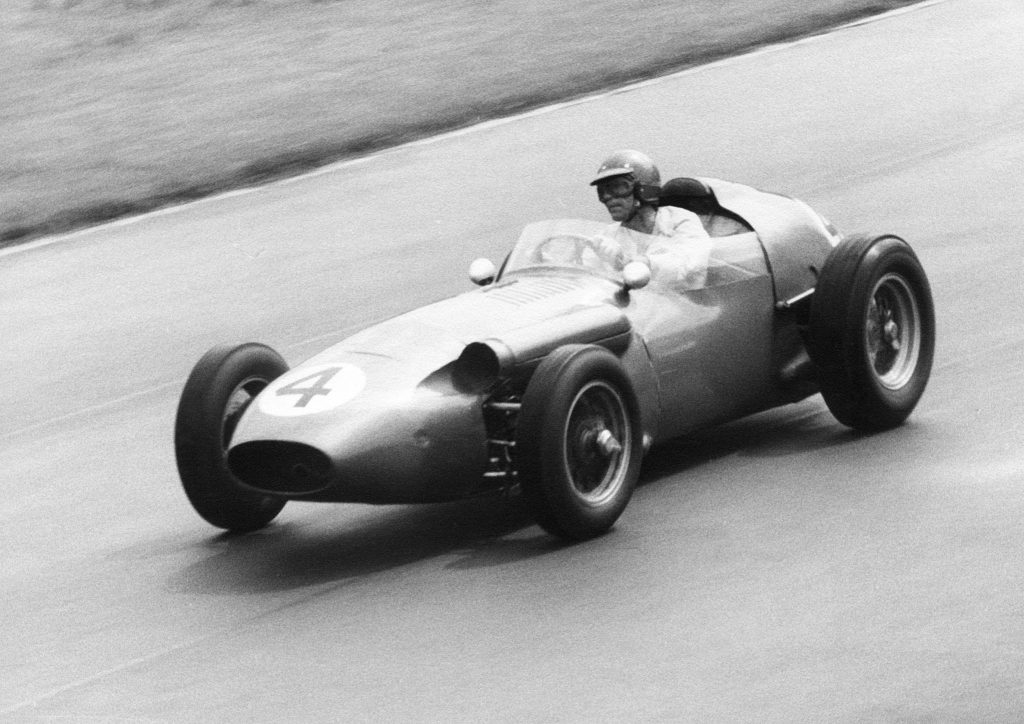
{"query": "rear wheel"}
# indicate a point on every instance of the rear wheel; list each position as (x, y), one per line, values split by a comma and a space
(578, 446)
(872, 331)
(217, 392)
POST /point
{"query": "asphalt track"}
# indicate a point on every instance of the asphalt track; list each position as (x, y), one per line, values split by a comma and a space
(779, 568)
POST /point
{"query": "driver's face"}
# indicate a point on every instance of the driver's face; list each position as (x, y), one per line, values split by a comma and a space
(616, 193)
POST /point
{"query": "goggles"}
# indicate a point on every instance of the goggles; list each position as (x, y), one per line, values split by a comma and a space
(615, 187)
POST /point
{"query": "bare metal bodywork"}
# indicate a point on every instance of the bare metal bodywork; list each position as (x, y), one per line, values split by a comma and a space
(418, 408)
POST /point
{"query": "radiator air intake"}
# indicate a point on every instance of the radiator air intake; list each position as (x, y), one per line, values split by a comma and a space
(282, 467)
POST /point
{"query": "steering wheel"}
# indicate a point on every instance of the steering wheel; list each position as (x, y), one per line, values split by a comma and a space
(554, 249)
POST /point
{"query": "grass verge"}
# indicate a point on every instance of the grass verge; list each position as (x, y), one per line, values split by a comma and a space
(114, 107)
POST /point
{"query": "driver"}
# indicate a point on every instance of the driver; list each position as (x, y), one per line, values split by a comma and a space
(670, 240)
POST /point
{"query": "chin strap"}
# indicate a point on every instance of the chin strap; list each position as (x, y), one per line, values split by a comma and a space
(637, 205)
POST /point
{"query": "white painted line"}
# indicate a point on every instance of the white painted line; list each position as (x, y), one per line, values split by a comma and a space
(87, 410)
(338, 334)
(84, 681)
(483, 126)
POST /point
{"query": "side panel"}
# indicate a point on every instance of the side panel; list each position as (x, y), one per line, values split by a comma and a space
(712, 347)
(796, 240)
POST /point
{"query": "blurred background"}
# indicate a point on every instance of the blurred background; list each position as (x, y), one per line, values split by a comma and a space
(111, 107)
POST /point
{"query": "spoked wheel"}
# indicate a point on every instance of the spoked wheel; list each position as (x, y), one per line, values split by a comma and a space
(220, 388)
(872, 331)
(578, 447)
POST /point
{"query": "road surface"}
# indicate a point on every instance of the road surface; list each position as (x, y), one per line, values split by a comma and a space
(780, 568)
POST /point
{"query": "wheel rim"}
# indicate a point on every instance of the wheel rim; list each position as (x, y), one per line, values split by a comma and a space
(893, 332)
(597, 441)
(237, 403)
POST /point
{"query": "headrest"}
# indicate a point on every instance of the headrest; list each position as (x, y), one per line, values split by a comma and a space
(687, 187)
(688, 193)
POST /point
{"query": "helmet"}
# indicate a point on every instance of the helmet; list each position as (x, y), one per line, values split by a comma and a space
(637, 165)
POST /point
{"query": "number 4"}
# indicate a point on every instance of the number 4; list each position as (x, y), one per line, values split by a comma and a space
(306, 394)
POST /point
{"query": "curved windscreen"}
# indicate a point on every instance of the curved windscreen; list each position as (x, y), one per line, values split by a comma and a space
(686, 264)
(560, 243)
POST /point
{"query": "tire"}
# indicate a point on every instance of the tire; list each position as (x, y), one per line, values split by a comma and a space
(578, 443)
(217, 392)
(872, 331)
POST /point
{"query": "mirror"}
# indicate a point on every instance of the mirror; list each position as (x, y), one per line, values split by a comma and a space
(481, 271)
(636, 275)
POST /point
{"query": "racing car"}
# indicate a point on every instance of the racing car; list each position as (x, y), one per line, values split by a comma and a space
(555, 376)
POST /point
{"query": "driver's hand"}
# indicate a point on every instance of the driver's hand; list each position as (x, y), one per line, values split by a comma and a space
(610, 251)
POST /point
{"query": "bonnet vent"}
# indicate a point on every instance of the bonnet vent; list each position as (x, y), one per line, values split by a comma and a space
(536, 290)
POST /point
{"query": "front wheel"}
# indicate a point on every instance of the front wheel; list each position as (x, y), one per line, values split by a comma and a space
(872, 331)
(217, 392)
(578, 445)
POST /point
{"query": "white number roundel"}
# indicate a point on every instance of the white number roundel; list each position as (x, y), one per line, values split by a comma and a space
(309, 390)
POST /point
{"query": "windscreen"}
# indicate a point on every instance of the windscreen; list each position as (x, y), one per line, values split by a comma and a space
(686, 264)
(561, 243)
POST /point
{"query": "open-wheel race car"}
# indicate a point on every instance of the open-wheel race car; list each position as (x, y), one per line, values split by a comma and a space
(556, 375)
